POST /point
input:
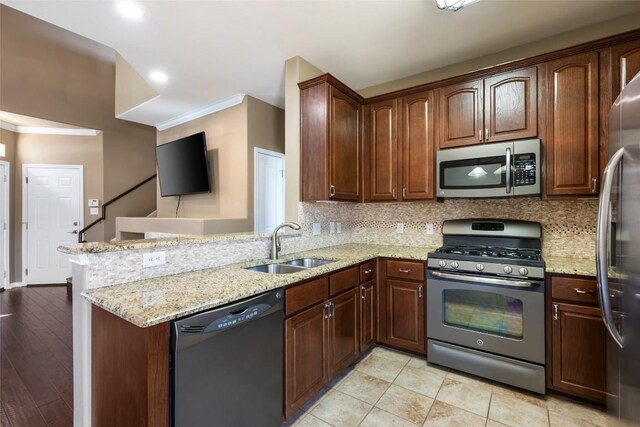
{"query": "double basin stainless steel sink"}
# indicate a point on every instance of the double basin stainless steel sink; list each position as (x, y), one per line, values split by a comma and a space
(288, 267)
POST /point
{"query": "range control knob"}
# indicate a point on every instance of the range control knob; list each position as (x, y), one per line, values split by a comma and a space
(479, 267)
(454, 264)
(442, 263)
(523, 271)
(508, 269)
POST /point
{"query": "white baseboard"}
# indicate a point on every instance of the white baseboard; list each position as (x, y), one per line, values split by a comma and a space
(15, 285)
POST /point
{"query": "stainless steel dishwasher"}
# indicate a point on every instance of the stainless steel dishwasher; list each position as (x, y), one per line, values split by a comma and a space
(226, 365)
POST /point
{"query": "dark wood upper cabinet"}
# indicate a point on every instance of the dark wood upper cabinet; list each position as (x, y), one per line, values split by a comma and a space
(344, 326)
(579, 351)
(625, 64)
(461, 114)
(418, 163)
(511, 106)
(330, 141)
(572, 116)
(383, 150)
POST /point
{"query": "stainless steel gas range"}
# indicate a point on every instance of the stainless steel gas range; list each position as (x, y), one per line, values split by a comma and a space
(485, 289)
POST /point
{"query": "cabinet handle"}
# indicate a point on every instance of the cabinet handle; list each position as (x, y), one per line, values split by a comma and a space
(393, 193)
(404, 193)
(486, 134)
(594, 185)
(555, 311)
(420, 292)
(402, 270)
(363, 292)
(327, 311)
(368, 271)
(582, 292)
(332, 190)
(480, 135)
(332, 310)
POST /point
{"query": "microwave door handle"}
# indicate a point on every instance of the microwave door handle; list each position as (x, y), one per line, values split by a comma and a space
(602, 243)
(508, 171)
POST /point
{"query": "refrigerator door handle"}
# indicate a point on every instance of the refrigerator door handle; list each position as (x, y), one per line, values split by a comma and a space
(602, 242)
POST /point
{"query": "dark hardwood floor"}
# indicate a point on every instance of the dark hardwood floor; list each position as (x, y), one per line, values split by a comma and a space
(36, 378)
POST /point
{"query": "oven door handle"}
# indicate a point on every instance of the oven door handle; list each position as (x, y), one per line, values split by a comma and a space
(487, 280)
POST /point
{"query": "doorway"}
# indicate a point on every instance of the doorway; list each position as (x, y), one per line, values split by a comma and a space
(51, 216)
(5, 262)
(268, 190)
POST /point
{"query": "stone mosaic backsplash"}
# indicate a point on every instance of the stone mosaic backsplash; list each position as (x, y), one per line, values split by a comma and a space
(568, 225)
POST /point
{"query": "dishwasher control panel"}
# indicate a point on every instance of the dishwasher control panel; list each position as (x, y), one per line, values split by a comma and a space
(234, 319)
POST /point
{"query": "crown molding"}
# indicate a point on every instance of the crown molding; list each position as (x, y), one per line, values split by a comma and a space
(212, 108)
(48, 131)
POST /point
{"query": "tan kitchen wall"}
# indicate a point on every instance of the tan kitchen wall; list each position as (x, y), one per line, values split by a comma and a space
(50, 73)
(59, 150)
(544, 45)
(10, 139)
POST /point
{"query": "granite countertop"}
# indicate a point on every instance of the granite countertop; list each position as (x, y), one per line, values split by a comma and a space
(149, 302)
(568, 265)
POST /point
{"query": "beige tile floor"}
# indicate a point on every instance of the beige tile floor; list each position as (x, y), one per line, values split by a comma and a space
(387, 388)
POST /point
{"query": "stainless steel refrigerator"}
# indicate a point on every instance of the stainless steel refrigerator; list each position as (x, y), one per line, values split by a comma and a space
(618, 258)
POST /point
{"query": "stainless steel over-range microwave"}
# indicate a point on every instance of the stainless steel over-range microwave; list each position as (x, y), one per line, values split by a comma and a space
(491, 170)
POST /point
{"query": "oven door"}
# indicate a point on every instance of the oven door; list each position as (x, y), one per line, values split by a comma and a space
(499, 315)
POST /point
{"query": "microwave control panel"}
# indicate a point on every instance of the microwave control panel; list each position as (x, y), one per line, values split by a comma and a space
(525, 169)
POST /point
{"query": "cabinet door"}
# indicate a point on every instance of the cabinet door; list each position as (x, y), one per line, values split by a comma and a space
(405, 314)
(418, 177)
(461, 121)
(625, 64)
(344, 147)
(344, 327)
(305, 356)
(572, 125)
(383, 121)
(367, 315)
(579, 350)
(511, 106)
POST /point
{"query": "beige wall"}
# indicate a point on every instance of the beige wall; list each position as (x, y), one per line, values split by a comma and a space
(10, 139)
(232, 134)
(59, 150)
(50, 73)
(549, 44)
(131, 89)
(296, 70)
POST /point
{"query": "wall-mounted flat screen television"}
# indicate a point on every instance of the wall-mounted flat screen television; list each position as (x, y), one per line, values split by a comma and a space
(183, 167)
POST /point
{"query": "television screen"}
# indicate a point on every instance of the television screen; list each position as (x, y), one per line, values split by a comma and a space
(183, 167)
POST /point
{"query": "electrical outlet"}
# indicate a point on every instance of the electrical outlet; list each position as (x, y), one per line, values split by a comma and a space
(94, 211)
(153, 259)
(317, 229)
(429, 228)
(332, 227)
(338, 227)
(400, 228)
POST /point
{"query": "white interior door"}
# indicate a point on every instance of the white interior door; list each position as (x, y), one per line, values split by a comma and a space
(53, 216)
(268, 189)
(4, 224)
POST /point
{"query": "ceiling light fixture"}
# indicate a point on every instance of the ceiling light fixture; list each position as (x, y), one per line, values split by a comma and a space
(130, 10)
(158, 76)
(453, 5)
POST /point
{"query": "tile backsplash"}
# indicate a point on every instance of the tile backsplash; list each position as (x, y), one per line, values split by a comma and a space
(568, 225)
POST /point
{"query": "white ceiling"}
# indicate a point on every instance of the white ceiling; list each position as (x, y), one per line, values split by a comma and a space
(212, 50)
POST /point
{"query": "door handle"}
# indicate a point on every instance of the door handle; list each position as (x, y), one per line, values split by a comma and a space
(508, 171)
(602, 243)
(73, 232)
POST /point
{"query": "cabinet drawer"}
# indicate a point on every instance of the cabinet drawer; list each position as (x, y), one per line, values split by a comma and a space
(574, 289)
(367, 271)
(405, 270)
(306, 294)
(343, 280)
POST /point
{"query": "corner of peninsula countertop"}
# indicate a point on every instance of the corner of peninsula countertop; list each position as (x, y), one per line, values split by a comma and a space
(149, 302)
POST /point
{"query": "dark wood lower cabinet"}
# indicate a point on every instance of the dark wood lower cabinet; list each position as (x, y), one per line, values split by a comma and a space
(306, 371)
(405, 314)
(344, 324)
(368, 315)
(578, 351)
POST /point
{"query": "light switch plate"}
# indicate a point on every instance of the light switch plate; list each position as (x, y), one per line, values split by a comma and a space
(400, 228)
(94, 211)
(429, 228)
(154, 259)
(338, 227)
(316, 228)
(94, 203)
(332, 227)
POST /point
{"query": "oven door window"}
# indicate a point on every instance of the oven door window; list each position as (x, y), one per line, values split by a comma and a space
(487, 172)
(483, 312)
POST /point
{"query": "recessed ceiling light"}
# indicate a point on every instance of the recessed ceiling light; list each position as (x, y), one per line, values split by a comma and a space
(453, 5)
(130, 10)
(158, 76)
